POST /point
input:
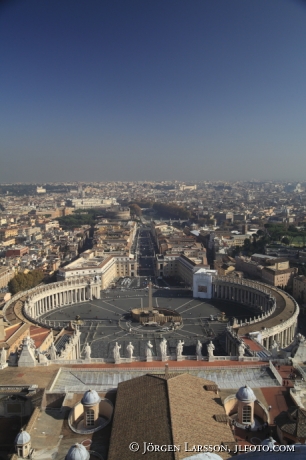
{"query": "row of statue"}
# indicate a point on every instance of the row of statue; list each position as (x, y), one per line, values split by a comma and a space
(53, 354)
(163, 350)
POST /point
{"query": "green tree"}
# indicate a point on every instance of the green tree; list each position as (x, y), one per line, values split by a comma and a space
(171, 211)
(135, 209)
(25, 281)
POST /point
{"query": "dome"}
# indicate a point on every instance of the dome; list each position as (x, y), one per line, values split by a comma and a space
(206, 456)
(22, 438)
(268, 442)
(77, 452)
(245, 394)
(90, 398)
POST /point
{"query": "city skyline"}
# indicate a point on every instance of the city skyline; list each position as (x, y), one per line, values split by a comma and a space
(127, 91)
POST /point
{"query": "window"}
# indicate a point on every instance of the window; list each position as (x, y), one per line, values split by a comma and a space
(90, 417)
(246, 414)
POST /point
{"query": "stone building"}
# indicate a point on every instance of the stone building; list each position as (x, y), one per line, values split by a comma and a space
(6, 274)
(299, 288)
(271, 270)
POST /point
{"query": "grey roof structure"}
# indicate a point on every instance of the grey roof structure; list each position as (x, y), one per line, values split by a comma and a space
(90, 398)
(22, 438)
(245, 394)
(77, 452)
(102, 380)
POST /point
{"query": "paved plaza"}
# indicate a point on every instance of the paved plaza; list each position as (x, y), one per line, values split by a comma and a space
(107, 320)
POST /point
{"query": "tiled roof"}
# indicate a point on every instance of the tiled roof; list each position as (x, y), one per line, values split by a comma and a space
(293, 422)
(11, 330)
(141, 414)
(171, 409)
(38, 334)
(193, 412)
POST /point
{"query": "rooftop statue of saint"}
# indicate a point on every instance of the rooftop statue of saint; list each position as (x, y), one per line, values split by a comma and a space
(210, 349)
(149, 349)
(3, 356)
(163, 347)
(52, 351)
(179, 348)
(130, 349)
(199, 349)
(241, 349)
(116, 352)
(87, 351)
(42, 358)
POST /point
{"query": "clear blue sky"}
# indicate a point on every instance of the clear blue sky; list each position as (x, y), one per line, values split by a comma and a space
(152, 90)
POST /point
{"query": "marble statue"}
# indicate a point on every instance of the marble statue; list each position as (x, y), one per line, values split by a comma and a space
(199, 349)
(210, 349)
(42, 358)
(29, 342)
(87, 351)
(52, 351)
(274, 349)
(179, 348)
(3, 356)
(241, 349)
(301, 338)
(149, 349)
(163, 347)
(116, 352)
(275, 345)
(130, 349)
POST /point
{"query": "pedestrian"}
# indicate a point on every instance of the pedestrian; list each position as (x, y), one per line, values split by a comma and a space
(269, 408)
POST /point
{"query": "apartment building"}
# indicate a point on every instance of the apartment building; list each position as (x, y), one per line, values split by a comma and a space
(176, 266)
(269, 269)
(107, 268)
(6, 274)
(299, 288)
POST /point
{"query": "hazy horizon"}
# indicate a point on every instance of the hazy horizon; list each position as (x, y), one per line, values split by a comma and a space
(133, 90)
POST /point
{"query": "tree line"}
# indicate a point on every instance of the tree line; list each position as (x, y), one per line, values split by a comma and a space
(25, 281)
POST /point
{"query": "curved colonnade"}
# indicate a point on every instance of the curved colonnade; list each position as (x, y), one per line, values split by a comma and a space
(276, 319)
(48, 297)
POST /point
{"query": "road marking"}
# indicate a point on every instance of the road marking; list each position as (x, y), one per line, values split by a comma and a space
(108, 303)
(181, 306)
(191, 308)
(103, 308)
(110, 335)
